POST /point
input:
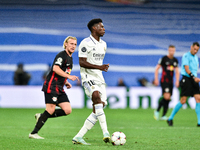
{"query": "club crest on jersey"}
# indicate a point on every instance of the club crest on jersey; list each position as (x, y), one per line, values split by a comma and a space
(83, 49)
(166, 90)
(54, 99)
(175, 64)
(59, 61)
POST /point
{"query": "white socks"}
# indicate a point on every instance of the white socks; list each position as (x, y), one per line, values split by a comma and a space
(92, 119)
(101, 117)
(89, 123)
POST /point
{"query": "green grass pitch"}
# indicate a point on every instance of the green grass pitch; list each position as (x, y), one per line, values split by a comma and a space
(142, 131)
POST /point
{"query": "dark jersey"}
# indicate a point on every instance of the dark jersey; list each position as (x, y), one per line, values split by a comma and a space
(54, 83)
(168, 66)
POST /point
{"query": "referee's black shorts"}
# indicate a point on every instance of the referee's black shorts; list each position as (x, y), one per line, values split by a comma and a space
(189, 87)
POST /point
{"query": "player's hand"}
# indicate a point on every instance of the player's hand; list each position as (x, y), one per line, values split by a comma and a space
(156, 82)
(73, 78)
(105, 67)
(177, 84)
(197, 80)
(68, 85)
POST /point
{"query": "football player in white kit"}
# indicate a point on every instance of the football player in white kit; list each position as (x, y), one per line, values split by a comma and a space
(91, 54)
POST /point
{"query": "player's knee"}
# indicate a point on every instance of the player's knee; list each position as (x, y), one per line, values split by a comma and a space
(96, 98)
(183, 101)
(167, 96)
(50, 111)
(68, 111)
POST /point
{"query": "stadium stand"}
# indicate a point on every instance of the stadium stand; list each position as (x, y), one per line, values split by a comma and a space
(32, 32)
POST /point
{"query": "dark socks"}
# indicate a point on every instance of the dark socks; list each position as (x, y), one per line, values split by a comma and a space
(161, 103)
(165, 106)
(58, 113)
(43, 118)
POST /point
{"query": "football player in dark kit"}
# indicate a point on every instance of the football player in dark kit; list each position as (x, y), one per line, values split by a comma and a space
(53, 86)
(168, 63)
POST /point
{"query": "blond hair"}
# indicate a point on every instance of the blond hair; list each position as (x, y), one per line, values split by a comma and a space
(67, 39)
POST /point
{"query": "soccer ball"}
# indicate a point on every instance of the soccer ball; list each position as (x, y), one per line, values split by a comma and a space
(118, 138)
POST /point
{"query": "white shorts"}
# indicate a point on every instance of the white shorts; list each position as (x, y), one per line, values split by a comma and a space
(90, 87)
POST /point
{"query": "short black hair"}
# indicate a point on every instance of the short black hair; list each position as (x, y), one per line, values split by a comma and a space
(195, 43)
(172, 46)
(92, 22)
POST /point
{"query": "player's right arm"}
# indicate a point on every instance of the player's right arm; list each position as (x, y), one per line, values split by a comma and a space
(83, 63)
(83, 54)
(60, 72)
(156, 81)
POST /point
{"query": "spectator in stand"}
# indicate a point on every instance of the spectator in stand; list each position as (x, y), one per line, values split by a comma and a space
(21, 77)
(121, 82)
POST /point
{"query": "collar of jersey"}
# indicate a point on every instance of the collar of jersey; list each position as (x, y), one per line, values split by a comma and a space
(94, 40)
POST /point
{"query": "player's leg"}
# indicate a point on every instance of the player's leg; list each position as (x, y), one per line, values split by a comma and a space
(88, 124)
(176, 109)
(50, 108)
(156, 112)
(42, 118)
(160, 104)
(186, 90)
(166, 100)
(64, 104)
(99, 99)
(197, 109)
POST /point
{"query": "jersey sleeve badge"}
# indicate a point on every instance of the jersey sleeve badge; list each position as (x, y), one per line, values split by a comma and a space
(59, 61)
(83, 49)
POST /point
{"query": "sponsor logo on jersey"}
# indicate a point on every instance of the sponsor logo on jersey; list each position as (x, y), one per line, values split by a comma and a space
(59, 61)
(170, 67)
(98, 56)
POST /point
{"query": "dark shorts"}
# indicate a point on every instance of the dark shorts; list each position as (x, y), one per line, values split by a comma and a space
(189, 87)
(55, 99)
(167, 88)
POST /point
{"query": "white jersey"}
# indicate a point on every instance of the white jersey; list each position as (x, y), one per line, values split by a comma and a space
(94, 51)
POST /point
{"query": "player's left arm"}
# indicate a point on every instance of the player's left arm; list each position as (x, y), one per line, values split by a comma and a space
(177, 76)
(68, 85)
(190, 73)
(83, 63)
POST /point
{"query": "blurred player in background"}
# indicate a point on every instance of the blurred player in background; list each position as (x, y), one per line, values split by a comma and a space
(53, 86)
(189, 83)
(168, 63)
(91, 54)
